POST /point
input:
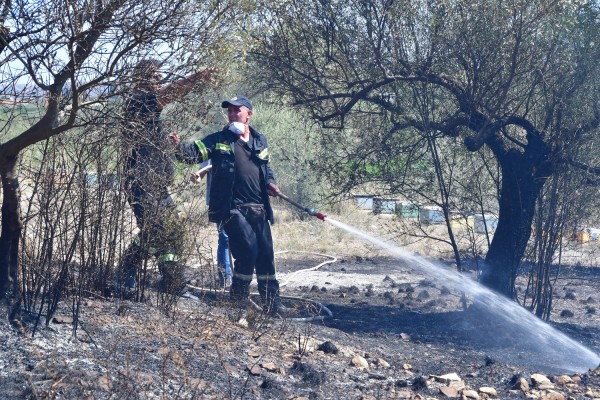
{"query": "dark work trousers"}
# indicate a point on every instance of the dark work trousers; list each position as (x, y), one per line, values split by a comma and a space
(157, 237)
(251, 246)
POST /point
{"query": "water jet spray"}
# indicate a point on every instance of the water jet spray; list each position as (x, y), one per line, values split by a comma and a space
(542, 342)
(309, 211)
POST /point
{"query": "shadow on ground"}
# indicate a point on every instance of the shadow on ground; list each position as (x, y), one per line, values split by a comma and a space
(472, 331)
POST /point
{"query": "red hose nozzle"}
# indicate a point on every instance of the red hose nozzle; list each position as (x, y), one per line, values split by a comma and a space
(310, 211)
(321, 216)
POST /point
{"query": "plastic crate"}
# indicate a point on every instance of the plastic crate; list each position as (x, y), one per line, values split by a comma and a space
(431, 215)
(384, 206)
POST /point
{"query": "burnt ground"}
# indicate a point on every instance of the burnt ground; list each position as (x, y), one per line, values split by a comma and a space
(429, 312)
(408, 327)
(416, 318)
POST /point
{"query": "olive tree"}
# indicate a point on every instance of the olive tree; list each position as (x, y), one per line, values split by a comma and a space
(520, 79)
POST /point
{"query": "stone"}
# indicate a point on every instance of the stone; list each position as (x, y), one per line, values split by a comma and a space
(447, 378)
(404, 394)
(104, 383)
(269, 366)
(567, 313)
(470, 394)
(545, 386)
(328, 348)
(521, 384)
(62, 319)
(449, 391)
(229, 368)
(359, 362)
(254, 370)
(593, 394)
(539, 379)
(563, 379)
(552, 396)
(406, 367)
(488, 391)
(382, 363)
(458, 385)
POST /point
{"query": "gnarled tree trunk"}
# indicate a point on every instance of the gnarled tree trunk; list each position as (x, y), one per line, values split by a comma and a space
(523, 177)
(10, 234)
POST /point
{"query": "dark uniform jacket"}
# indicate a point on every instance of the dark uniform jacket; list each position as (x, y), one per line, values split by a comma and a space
(218, 147)
(148, 164)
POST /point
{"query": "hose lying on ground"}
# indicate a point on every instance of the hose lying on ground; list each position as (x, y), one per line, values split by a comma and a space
(321, 307)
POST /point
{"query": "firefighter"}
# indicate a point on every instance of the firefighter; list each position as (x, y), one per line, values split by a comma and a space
(242, 181)
(149, 172)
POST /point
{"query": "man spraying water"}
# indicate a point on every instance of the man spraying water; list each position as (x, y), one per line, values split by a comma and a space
(242, 181)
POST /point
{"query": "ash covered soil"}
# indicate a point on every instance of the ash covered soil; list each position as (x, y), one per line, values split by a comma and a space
(389, 331)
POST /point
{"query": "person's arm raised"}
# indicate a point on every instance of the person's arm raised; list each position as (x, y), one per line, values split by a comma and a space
(183, 86)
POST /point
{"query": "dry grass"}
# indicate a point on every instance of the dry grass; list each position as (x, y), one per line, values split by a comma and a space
(313, 235)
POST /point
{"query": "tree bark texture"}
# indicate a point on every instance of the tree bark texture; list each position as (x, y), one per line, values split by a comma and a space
(523, 177)
(11, 231)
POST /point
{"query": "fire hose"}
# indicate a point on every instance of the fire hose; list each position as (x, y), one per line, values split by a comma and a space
(308, 210)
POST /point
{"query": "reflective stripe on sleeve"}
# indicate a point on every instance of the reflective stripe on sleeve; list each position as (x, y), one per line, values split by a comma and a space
(222, 147)
(202, 149)
(264, 155)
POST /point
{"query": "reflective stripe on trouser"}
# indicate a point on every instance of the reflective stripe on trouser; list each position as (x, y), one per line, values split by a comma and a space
(168, 257)
(240, 286)
(137, 240)
(251, 246)
(154, 219)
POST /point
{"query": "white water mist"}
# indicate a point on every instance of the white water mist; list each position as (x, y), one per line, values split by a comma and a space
(562, 351)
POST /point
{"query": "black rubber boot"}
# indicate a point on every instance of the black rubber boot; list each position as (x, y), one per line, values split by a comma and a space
(239, 290)
(271, 302)
(128, 269)
(171, 278)
(239, 294)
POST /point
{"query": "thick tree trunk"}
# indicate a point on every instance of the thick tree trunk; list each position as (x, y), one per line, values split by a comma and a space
(10, 234)
(520, 188)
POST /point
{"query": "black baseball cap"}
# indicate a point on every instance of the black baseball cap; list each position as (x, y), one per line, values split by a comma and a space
(237, 101)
